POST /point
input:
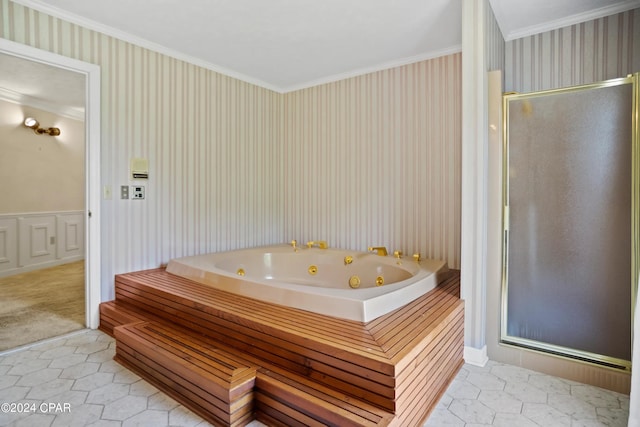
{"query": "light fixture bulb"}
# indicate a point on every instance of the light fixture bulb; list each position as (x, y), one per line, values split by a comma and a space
(32, 123)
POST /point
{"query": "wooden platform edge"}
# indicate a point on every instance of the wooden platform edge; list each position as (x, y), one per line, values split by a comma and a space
(275, 395)
(185, 379)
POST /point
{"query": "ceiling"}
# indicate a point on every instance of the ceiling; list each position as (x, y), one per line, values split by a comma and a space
(42, 86)
(286, 45)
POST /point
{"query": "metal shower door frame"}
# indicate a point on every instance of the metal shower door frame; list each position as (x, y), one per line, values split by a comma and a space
(555, 349)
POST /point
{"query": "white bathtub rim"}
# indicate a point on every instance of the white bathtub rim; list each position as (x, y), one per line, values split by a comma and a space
(428, 266)
(361, 305)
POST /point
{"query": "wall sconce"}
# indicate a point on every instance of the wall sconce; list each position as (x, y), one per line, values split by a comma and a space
(32, 123)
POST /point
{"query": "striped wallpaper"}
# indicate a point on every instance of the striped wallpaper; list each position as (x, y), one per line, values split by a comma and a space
(592, 51)
(494, 41)
(375, 160)
(369, 160)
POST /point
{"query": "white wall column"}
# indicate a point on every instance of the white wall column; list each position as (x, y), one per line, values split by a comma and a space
(474, 179)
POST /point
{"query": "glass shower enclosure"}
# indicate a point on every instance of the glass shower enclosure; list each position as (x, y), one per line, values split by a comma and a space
(571, 220)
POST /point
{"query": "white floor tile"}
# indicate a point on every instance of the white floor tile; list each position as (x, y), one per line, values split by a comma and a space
(80, 371)
(124, 408)
(472, 411)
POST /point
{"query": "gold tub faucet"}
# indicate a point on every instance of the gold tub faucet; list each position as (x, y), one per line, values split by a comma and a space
(322, 244)
(381, 250)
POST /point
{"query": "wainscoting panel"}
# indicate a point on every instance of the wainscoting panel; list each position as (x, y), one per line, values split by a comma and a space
(8, 244)
(39, 240)
(36, 240)
(70, 235)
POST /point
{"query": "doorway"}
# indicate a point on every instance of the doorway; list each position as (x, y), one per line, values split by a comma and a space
(91, 128)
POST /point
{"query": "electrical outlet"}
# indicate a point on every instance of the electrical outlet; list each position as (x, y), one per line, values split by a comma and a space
(124, 191)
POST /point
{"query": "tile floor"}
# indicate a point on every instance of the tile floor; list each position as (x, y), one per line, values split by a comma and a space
(73, 381)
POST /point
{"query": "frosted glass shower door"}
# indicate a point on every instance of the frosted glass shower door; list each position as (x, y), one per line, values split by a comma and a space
(567, 285)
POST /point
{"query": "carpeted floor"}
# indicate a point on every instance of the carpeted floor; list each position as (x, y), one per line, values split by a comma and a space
(41, 304)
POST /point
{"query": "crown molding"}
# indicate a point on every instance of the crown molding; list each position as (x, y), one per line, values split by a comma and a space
(602, 12)
(74, 113)
(379, 67)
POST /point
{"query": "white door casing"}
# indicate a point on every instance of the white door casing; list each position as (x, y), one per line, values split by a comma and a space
(92, 163)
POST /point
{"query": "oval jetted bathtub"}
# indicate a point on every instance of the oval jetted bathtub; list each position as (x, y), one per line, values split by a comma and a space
(352, 285)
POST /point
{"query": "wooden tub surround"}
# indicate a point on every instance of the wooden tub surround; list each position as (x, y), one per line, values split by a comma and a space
(232, 359)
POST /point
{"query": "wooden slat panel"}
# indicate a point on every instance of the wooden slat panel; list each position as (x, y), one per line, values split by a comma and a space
(405, 349)
(419, 412)
(278, 335)
(274, 348)
(299, 323)
(319, 404)
(214, 382)
(304, 321)
(421, 389)
(433, 299)
(219, 373)
(155, 374)
(269, 410)
(386, 327)
(155, 369)
(412, 349)
(425, 378)
(223, 329)
(331, 396)
(235, 329)
(114, 313)
(274, 413)
(331, 382)
(402, 361)
(307, 322)
(449, 335)
(381, 396)
(403, 327)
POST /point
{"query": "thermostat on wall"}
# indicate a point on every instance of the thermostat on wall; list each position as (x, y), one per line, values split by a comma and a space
(137, 192)
(139, 168)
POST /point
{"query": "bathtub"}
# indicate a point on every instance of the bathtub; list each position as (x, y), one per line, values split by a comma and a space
(352, 285)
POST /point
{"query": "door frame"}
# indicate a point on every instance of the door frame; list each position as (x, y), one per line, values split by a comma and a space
(92, 164)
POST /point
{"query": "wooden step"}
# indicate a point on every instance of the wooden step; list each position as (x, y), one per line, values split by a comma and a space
(292, 400)
(209, 381)
(115, 313)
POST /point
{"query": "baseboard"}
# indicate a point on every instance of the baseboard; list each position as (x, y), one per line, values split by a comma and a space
(476, 356)
(34, 267)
